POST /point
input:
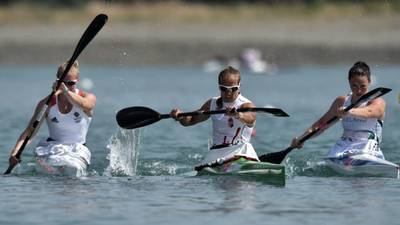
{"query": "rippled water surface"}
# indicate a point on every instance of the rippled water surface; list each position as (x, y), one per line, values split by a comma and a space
(146, 176)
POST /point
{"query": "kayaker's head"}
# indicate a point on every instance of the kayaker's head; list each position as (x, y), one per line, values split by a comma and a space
(359, 78)
(72, 78)
(229, 84)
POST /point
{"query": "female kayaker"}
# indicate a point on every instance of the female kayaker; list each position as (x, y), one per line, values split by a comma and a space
(362, 126)
(232, 130)
(68, 117)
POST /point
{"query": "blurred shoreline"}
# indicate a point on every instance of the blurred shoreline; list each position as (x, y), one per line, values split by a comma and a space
(325, 37)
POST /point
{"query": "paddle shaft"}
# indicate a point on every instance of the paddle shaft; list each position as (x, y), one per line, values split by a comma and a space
(140, 116)
(221, 111)
(215, 163)
(94, 27)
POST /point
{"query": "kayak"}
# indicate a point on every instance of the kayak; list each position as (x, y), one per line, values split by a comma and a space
(47, 167)
(363, 165)
(56, 158)
(244, 167)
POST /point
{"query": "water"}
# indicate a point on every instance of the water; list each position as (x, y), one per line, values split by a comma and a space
(146, 176)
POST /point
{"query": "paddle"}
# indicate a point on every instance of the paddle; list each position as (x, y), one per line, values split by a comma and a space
(215, 163)
(94, 27)
(278, 157)
(140, 116)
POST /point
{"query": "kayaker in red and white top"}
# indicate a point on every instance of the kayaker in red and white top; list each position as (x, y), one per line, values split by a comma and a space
(362, 126)
(232, 130)
(68, 118)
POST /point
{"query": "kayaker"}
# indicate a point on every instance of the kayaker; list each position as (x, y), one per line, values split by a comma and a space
(230, 129)
(362, 126)
(68, 117)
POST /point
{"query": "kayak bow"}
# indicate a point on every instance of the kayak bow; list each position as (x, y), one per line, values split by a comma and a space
(363, 165)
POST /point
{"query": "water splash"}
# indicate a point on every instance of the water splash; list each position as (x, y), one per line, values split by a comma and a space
(307, 166)
(124, 153)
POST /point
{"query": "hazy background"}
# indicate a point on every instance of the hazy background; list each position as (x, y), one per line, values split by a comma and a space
(182, 33)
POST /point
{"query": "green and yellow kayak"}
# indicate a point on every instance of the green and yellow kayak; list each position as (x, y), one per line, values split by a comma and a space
(245, 167)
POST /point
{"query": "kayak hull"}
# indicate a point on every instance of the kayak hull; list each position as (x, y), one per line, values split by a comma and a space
(50, 167)
(363, 165)
(248, 168)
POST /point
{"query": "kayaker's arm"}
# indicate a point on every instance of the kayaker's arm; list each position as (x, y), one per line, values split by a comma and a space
(321, 123)
(191, 120)
(87, 102)
(26, 132)
(249, 118)
(374, 109)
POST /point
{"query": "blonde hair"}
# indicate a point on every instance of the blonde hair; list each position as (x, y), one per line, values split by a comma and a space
(229, 71)
(74, 68)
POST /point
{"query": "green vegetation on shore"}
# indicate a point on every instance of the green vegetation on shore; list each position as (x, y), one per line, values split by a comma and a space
(181, 12)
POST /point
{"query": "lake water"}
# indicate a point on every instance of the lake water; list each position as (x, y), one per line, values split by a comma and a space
(146, 176)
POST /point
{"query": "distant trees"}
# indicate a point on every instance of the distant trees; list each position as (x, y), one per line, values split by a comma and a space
(73, 3)
(5, 2)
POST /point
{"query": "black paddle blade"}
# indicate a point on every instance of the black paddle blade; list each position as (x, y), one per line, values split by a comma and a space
(91, 31)
(275, 157)
(94, 27)
(273, 111)
(136, 116)
(377, 92)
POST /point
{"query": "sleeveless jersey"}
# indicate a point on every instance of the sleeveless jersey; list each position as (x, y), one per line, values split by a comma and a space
(226, 129)
(71, 127)
(357, 127)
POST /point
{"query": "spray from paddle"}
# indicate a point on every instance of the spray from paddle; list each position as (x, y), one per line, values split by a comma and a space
(124, 153)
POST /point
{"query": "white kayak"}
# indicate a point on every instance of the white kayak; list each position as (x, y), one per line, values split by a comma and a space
(62, 159)
(363, 165)
(51, 167)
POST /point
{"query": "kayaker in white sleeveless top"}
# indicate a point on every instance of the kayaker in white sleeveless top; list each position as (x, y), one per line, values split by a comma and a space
(227, 129)
(68, 118)
(362, 126)
(232, 130)
(360, 135)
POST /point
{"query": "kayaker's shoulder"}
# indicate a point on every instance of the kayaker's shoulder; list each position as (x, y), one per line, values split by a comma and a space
(43, 101)
(339, 101)
(207, 105)
(248, 105)
(379, 100)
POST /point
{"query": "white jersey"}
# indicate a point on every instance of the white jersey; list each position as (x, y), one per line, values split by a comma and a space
(68, 128)
(360, 135)
(360, 128)
(226, 129)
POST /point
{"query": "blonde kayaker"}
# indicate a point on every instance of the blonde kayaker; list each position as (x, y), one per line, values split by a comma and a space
(362, 126)
(68, 118)
(230, 129)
